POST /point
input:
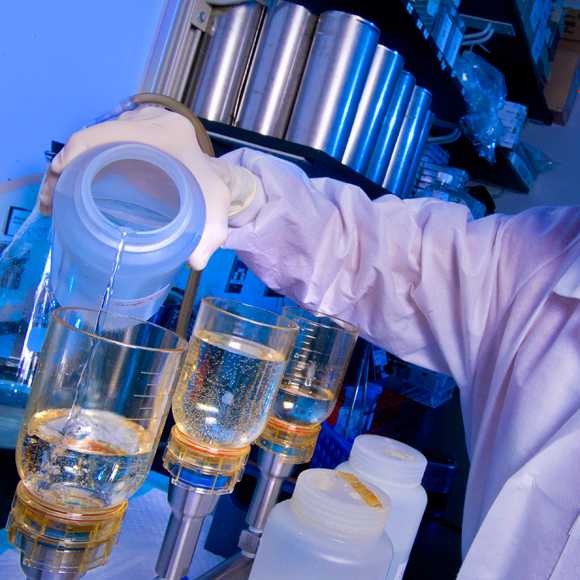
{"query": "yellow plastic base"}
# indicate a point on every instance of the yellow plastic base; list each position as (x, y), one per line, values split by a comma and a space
(52, 539)
(295, 442)
(212, 471)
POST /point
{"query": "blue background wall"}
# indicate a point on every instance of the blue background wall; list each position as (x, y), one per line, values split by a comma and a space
(63, 63)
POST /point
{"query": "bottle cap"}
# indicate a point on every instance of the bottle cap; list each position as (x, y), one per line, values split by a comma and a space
(380, 459)
(340, 504)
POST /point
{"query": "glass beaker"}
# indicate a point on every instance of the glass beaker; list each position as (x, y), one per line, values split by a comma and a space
(99, 401)
(316, 368)
(310, 384)
(236, 358)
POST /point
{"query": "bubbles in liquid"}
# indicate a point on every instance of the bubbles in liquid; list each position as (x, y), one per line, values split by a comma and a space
(226, 389)
(303, 406)
(99, 465)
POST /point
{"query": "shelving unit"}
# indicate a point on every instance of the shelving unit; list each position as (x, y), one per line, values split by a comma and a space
(315, 163)
(512, 55)
(502, 173)
(402, 30)
(226, 138)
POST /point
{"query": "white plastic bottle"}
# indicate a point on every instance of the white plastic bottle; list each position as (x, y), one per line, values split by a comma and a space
(125, 195)
(397, 470)
(332, 528)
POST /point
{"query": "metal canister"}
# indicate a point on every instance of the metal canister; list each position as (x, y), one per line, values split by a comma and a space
(391, 125)
(416, 117)
(277, 70)
(223, 61)
(417, 156)
(333, 82)
(379, 88)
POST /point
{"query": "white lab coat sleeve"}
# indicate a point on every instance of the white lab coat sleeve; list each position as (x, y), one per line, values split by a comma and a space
(416, 276)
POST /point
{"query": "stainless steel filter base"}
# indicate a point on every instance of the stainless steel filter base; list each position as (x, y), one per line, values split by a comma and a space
(332, 85)
(31, 573)
(188, 511)
(274, 469)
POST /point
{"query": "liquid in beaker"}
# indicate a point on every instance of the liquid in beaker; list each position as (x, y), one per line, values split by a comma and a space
(226, 389)
(303, 406)
(314, 374)
(99, 463)
(98, 405)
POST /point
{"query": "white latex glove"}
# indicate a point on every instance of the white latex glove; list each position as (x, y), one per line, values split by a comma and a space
(227, 189)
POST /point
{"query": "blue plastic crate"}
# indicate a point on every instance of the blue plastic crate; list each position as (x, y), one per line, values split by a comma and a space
(331, 450)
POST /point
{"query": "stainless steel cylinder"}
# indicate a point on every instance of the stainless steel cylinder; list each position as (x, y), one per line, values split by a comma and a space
(274, 469)
(223, 61)
(415, 118)
(174, 50)
(188, 511)
(54, 561)
(333, 82)
(277, 69)
(178, 73)
(379, 89)
(417, 156)
(391, 125)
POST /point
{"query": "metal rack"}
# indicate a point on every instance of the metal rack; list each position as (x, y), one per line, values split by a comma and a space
(315, 163)
(226, 138)
(401, 29)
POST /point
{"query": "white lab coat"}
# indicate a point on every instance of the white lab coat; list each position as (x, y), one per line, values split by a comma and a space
(493, 302)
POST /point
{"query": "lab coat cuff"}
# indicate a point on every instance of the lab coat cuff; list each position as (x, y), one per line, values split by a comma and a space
(252, 204)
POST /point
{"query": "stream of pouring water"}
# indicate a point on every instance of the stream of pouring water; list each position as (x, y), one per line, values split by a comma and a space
(108, 295)
(73, 422)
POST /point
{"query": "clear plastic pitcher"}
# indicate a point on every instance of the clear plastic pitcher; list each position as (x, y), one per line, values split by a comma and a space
(130, 207)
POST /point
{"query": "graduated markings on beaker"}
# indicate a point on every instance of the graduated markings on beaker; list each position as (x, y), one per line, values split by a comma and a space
(147, 395)
(152, 419)
(160, 396)
(137, 419)
(304, 353)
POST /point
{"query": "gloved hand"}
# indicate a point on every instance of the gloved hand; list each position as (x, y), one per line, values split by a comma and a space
(227, 189)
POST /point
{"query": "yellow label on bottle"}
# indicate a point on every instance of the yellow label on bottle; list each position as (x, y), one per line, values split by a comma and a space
(398, 454)
(364, 492)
